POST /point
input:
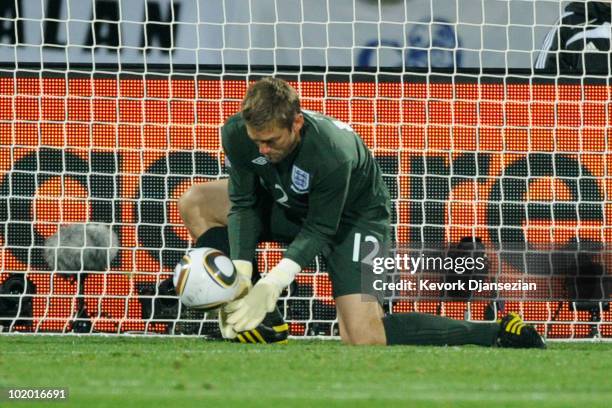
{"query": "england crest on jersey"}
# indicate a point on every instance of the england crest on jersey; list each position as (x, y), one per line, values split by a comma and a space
(300, 180)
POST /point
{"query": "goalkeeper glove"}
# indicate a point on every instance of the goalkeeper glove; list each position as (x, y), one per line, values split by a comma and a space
(244, 270)
(248, 312)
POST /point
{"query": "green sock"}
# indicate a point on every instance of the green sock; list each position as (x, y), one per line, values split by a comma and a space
(426, 329)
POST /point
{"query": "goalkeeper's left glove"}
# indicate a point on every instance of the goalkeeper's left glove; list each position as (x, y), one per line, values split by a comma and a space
(248, 312)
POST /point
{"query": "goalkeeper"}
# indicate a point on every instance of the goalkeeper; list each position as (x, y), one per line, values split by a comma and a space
(308, 180)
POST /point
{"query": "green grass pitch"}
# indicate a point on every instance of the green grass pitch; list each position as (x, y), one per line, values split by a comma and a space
(189, 372)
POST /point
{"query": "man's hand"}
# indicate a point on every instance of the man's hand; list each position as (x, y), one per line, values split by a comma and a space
(248, 312)
(244, 270)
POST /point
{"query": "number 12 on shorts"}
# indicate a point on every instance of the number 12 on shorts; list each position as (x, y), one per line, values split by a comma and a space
(358, 244)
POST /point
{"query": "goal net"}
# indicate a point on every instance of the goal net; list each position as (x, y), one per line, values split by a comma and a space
(110, 110)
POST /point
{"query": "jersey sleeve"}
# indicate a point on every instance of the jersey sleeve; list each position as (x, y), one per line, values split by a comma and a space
(562, 60)
(325, 206)
(564, 56)
(244, 223)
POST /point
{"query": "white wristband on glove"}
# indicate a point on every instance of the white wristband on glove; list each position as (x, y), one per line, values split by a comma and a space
(283, 273)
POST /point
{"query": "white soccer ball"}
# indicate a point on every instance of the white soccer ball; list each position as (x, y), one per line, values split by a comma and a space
(205, 279)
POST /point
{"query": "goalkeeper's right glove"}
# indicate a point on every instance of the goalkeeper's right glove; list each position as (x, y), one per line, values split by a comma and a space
(244, 270)
(249, 312)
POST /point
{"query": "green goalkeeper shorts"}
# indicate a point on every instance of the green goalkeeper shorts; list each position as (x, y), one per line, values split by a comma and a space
(353, 244)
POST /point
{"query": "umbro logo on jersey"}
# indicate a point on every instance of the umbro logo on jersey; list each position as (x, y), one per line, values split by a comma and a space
(262, 161)
(300, 180)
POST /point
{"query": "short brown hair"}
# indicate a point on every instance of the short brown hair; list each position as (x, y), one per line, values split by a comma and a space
(268, 102)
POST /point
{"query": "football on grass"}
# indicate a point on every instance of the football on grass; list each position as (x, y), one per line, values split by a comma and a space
(205, 279)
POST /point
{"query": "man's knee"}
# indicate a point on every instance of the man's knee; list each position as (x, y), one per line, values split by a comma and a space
(360, 320)
(362, 339)
(204, 206)
(191, 199)
(186, 201)
(364, 335)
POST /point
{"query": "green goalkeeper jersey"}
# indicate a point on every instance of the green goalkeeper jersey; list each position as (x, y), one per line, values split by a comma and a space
(330, 178)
